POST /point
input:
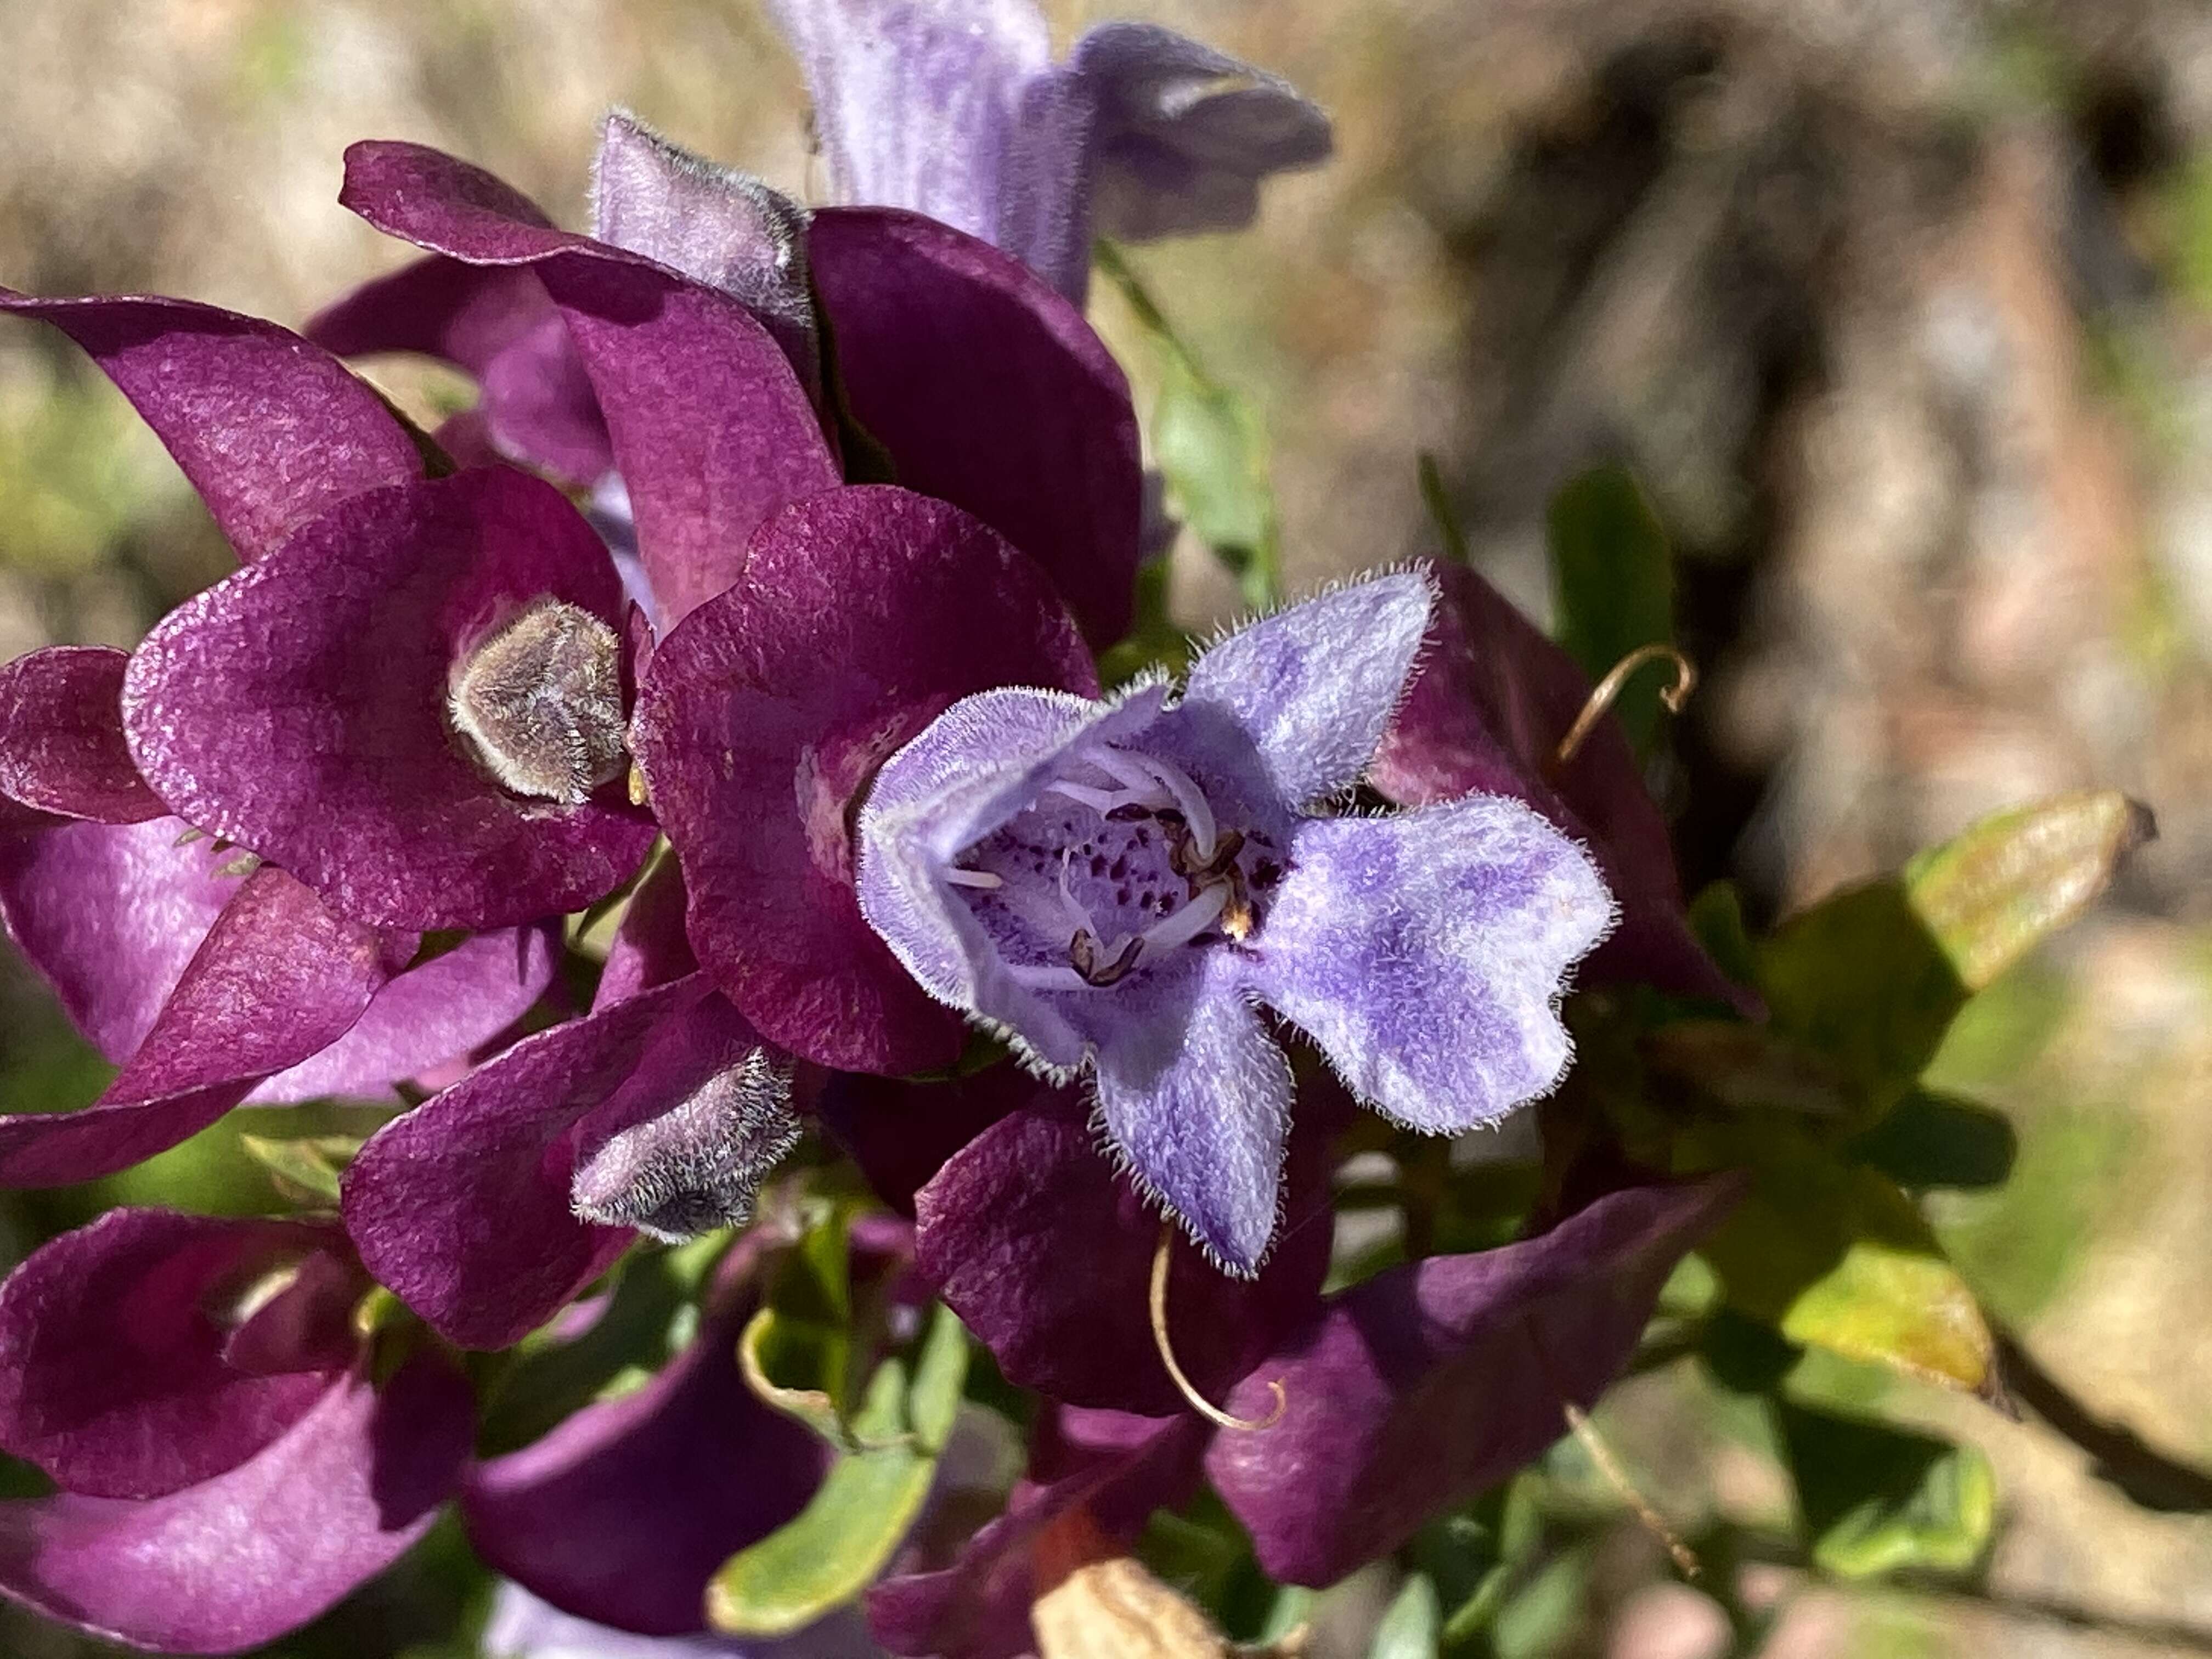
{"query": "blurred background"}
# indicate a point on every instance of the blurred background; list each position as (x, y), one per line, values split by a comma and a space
(1900, 309)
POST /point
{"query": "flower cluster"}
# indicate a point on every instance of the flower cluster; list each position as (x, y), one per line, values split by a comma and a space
(735, 660)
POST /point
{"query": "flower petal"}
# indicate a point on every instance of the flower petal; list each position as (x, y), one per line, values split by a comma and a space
(1195, 1093)
(1046, 1255)
(1492, 701)
(428, 1017)
(864, 612)
(114, 1377)
(1313, 686)
(270, 429)
(992, 392)
(462, 1206)
(299, 708)
(1182, 134)
(462, 314)
(650, 947)
(262, 1548)
(622, 1513)
(305, 974)
(914, 103)
(715, 225)
(1419, 1388)
(711, 427)
(522, 1626)
(1426, 955)
(111, 915)
(61, 736)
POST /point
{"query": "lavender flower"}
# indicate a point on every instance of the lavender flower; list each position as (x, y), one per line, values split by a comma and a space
(1116, 885)
(955, 109)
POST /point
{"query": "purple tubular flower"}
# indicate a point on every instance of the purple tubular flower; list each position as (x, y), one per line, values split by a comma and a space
(622, 1513)
(1422, 1386)
(1117, 885)
(1119, 1467)
(954, 108)
(306, 706)
(229, 1471)
(1489, 706)
(270, 429)
(709, 424)
(523, 1627)
(1046, 1255)
(864, 612)
(990, 392)
(490, 1205)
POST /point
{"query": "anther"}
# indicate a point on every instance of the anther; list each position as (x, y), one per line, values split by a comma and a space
(1603, 694)
(1199, 1403)
(1083, 952)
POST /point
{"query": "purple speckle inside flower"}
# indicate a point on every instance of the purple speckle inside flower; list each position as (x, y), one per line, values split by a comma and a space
(1120, 861)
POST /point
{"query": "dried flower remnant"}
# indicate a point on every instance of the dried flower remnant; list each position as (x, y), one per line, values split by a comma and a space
(540, 699)
(1117, 885)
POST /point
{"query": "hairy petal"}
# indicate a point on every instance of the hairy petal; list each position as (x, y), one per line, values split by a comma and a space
(1195, 1093)
(1313, 686)
(1426, 955)
(462, 1206)
(270, 429)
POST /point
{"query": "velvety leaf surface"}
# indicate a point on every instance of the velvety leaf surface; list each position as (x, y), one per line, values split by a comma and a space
(1421, 1386)
(270, 429)
(763, 717)
(992, 392)
(300, 707)
(261, 1548)
(114, 1378)
(61, 737)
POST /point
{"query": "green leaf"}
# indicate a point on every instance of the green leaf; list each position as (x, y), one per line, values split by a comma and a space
(1717, 918)
(1437, 500)
(1210, 442)
(1412, 1623)
(307, 1169)
(1991, 894)
(1876, 1499)
(858, 1516)
(1932, 1140)
(797, 1351)
(1613, 580)
(1873, 976)
(1834, 1256)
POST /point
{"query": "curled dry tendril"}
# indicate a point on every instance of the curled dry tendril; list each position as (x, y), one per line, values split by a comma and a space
(1603, 693)
(1199, 1403)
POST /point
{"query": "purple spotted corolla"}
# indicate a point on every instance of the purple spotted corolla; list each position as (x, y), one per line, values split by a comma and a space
(954, 108)
(1117, 885)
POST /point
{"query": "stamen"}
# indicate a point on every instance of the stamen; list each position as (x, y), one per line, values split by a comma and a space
(1048, 976)
(1083, 951)
(1199, 1403)
(1189, 796)
(1602, 695)
(1180, 927)
(1101, 801)
(980, 878)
